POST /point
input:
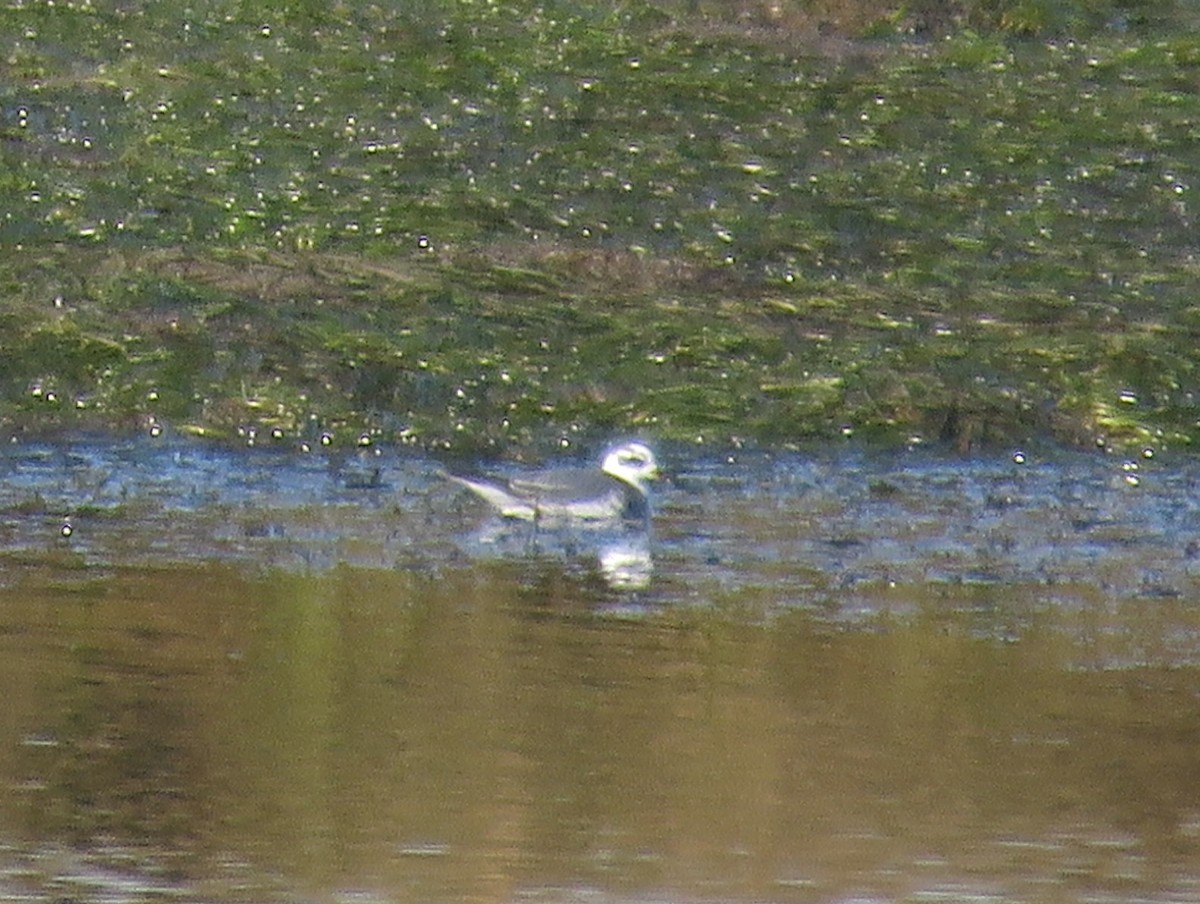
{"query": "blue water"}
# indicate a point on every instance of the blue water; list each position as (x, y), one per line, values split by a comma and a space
(806, 527)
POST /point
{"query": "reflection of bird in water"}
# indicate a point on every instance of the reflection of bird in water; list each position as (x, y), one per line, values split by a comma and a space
(617, 492)
(625, 563)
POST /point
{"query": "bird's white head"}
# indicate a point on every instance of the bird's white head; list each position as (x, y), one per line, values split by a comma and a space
(633, 463)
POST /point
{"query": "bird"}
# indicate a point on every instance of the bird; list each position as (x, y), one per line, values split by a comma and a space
(616, 492)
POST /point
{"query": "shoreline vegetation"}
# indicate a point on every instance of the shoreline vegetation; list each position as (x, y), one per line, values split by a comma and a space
(479, 227)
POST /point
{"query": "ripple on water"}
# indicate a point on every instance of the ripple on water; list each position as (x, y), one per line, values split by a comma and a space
(797, 528)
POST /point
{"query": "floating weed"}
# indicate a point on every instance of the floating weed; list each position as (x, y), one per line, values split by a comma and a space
(490, 224)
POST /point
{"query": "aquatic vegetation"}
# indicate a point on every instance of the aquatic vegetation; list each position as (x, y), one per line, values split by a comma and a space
(493, 225)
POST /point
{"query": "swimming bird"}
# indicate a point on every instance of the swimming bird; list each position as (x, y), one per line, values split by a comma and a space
(618, 491)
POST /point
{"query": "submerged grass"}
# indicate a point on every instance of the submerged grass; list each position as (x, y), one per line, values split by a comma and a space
(486, 225)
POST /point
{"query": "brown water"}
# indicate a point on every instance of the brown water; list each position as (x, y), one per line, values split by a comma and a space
(262, 677)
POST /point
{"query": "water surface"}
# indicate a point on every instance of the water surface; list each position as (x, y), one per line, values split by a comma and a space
(246, 676)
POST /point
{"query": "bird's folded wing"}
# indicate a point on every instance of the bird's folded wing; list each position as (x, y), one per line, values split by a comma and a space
(564, 485)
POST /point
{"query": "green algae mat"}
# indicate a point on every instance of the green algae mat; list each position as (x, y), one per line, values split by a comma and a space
(483, 226)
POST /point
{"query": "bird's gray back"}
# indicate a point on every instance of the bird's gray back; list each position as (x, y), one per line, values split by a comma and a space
(565, 486)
